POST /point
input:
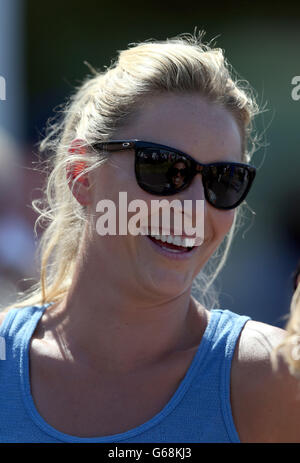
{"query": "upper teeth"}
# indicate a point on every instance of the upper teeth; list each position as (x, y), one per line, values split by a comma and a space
(177, 240)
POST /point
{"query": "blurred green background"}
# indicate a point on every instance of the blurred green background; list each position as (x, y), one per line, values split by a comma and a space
(262, 43)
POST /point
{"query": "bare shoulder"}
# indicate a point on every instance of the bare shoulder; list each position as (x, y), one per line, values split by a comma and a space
(257, 341)
(265, 400)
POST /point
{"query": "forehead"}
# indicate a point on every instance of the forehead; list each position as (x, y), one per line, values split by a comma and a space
(190, 123)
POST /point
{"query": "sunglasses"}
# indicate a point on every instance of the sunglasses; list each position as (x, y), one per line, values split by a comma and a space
(226, 184)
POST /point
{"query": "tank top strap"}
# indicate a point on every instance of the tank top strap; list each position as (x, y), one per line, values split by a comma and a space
(18, 326)
(228, 329)
(213, 378)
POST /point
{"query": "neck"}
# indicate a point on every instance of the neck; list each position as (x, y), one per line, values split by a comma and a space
(119, 327)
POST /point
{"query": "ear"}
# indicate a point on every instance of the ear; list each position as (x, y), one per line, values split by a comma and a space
(79, 188)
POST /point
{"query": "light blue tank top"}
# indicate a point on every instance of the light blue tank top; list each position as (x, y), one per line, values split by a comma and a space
(198, 411)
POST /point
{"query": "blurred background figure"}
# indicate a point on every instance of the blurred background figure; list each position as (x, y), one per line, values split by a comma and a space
(17, 244)
(290, 348)
(297, 276)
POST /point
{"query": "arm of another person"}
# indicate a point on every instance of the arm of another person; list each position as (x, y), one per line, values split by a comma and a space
(265, 401)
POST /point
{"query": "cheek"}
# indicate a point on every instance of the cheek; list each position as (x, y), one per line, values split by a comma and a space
(220, 222)
(113, 177)
(117, 183)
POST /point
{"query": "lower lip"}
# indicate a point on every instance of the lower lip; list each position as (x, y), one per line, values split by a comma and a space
(178, 255)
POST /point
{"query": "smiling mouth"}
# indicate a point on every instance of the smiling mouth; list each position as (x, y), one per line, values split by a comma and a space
(174, 244)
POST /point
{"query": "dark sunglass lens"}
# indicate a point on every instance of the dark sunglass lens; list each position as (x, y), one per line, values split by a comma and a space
(161, 172)
(226, 185)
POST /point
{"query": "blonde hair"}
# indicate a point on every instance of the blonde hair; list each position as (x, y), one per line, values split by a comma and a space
(103, 104)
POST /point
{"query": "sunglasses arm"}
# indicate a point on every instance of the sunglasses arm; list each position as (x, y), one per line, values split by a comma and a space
(114, 145)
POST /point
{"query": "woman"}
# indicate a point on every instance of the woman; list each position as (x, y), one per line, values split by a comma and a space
(111, 346)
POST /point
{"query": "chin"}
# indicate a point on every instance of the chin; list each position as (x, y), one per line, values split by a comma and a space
(170, 283)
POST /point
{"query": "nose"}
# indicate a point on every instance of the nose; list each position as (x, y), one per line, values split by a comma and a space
(194, 209)
(195, 190)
